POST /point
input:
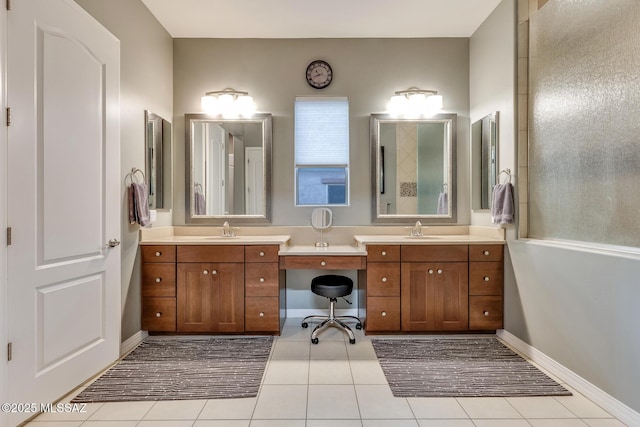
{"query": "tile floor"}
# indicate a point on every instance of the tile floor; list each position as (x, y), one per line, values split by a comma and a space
(334, 384)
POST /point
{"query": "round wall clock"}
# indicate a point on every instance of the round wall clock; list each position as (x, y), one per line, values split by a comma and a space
(319, 74)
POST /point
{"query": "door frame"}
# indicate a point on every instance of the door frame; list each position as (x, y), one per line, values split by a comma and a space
(3, 216)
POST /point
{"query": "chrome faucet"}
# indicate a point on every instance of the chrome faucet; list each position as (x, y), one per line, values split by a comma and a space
(416, 230)
(227, 231)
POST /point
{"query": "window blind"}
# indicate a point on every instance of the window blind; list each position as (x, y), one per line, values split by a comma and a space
(321, 131)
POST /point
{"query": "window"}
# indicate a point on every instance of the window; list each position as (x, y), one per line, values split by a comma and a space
(322, 151)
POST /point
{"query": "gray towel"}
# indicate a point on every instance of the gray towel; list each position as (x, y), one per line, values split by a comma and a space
(199, 207)
(140, 201)
(132, 205)
(502, 207)
(443, 203)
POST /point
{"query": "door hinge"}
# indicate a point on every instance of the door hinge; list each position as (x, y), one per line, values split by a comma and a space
(8, 236)
(8, 116)
(8, 2)
(9, 352)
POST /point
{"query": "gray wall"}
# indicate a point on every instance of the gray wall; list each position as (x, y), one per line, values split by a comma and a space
(367, 71)
(146, 83)
(492, 85)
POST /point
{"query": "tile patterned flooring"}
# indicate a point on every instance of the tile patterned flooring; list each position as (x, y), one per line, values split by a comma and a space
(334, 384)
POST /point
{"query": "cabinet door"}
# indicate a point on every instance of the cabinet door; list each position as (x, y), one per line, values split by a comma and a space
(228, 301)
(210, 297)
(194, 298)
(435, 296)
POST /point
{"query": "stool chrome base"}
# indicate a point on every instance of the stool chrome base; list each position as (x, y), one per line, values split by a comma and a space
(331, 320)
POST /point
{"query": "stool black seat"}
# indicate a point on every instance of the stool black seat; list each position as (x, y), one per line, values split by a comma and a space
(331, 286)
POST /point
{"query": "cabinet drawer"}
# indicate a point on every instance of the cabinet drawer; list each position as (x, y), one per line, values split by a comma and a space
(383, 279)
(264, 253)
(159, 280)
(446, 253)
(323, 262)
(485, 313)
(158, 253)
(485, 278)
(159, 314)
(486, 252)
(210, 253)
(261, 280)
(383, 253)
(262, 314)
(383, 314)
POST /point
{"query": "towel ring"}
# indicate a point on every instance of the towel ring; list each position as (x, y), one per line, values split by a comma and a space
(508, 172)
(131, 176)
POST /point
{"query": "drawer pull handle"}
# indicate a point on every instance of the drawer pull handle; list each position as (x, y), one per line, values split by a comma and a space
(261, 253)
(486, 313)
(430, 271)
(383, 314)
(323, 263)
(485, 278)
(158, 279)
(158, 314)
(205, 272)
(262, 280)
(384, 279)
(158, 253)
(261, 314)
(384, 253)
(485, 253)
(439, 271)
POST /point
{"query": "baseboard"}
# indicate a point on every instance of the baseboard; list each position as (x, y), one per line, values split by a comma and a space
(132, 342)
(296, 313)
(592, 392)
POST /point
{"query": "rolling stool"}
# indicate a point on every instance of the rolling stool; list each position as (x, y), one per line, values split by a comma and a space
(333, 287)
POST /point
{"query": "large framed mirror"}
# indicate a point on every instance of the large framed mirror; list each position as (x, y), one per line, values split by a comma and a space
(413, 163)
(158, 141)
(484, 161)
(228, 170)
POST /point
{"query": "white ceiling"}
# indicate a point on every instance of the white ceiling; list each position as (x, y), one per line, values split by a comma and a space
(320, 18)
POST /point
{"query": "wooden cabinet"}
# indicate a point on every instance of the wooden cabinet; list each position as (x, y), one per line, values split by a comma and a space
(212, 289)
(486, 266)
(210, 297)
(158, 288)
(264, 287)
(434, 296)
(382, 288)
(433, 288)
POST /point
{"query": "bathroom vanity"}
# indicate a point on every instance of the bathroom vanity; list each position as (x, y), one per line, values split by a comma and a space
(407, 284)
(431, 287)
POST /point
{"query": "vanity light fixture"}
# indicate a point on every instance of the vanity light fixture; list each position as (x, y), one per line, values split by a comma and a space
(415, 102)
(228, 103)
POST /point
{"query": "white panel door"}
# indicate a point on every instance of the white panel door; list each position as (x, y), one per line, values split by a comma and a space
(63, 199)
(254, 181)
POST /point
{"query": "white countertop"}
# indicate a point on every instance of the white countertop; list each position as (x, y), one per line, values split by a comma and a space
(216, 240)
(343, 250)
(428, 239)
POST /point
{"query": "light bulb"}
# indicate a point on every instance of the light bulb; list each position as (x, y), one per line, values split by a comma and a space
(397, 105)
(245, 105)
(209, 103)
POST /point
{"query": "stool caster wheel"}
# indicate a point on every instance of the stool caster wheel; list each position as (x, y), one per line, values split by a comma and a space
(314, 340)
(359, 326)
(304, 325)
(352, 341)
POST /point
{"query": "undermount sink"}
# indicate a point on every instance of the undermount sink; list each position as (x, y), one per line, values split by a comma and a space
(220, 237)
(423, 236)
